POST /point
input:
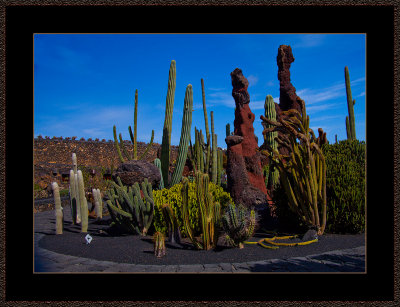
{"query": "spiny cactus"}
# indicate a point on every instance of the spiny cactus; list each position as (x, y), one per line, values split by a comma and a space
(58, 208)
(157, 162)
(350, 120)
(169, 107)
(270, 138)
(133, 137)
(98, 203)
(159, 244)
(73, 196)
(238, 225)
(210, 212)
(214, 151)
(174, 235)
(303, 171)
(83, 203)
(185, 136)
(128, 210)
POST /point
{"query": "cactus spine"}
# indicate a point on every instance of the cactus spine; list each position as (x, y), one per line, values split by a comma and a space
(166, 139)
(157, 162)
(83, 203)
(270, 138)
(159, 244)
(350, 120)
(185, 136)
(58, 208)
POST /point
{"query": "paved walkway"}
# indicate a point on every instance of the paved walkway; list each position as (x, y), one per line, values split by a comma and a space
(349, 260)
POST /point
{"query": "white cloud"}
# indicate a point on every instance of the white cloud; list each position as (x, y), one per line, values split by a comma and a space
(309, 40)
(253, 80)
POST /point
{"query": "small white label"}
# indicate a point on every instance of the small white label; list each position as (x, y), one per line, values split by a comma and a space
(88, 239)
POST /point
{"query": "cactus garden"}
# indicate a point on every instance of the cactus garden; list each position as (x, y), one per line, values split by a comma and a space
(195, 176)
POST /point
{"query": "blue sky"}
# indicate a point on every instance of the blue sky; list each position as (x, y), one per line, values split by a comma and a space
(84, 84)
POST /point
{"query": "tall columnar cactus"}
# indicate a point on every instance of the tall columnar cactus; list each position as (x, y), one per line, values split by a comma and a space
(214, 152)
(185, 136)
(228, 129)
(208, 136)
(270, 138)
(98, 203)
(220, 166)
(58, 208)
(74, 164)
(73, 196)
(169, 107)
(303, 171)
(238, 225)
(210, 213)
(128, 210)
(159, 244)
(83, 203)
(350, 120)
(133, 137)
(157, 162)
(78, 201)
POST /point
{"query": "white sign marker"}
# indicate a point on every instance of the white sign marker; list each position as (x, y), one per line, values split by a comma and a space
(88, 239)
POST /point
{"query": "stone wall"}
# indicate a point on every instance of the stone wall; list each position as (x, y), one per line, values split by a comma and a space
(52, 155)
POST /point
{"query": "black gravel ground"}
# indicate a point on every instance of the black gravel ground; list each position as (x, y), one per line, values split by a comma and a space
(139, 250)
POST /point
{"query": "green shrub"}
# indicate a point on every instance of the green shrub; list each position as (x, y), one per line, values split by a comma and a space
(64, 192)
(173, 197)
(345, 186)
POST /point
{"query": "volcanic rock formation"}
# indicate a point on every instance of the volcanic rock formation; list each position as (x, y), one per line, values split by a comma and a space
(245, 177)
(136, 171)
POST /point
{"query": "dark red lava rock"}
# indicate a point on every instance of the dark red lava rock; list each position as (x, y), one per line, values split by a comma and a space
(136, 171)
(244, 173)
(288, 98)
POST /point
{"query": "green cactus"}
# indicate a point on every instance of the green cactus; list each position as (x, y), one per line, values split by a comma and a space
(214, 152)
(238, 225)
(185, 136)
(228, 129)
(270, 139)
(73, 196)
(58, 208)
(157, 162)
(174, 235)
(350, 120)
(205, 111)
(210, 212)
(83, 203)
(133, 137)
(219, 166)
(303, 171)
(98, 203)
(159, 244)
(166, 139)
(128, 210)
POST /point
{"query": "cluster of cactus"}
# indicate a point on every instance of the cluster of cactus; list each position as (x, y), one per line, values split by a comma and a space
(238, 225)
(272, 176)
(133, 137)
(79, 207)
(207, 156)
(58, 209)
(345, 186)
(173, 197)
(350, 120)
(128, 210)
(303, 171)
(210, 212)
(157, 162)
(185, 131)
(159, 244)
